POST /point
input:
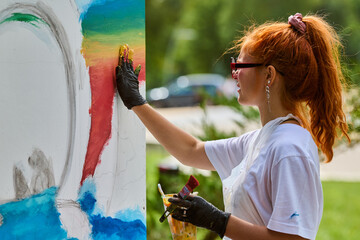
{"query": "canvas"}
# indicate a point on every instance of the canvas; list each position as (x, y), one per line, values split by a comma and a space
(72, 156)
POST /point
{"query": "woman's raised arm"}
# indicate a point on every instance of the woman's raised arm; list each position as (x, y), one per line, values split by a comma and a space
(186, 148)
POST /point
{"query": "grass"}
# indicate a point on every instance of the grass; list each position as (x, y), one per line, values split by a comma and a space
(155, 230)
(341, 216)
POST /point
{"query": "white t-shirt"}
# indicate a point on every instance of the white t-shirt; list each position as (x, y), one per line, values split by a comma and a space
(283, 183)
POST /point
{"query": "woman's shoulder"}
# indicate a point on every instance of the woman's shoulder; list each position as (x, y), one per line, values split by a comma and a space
(291, 134)
(291, 140)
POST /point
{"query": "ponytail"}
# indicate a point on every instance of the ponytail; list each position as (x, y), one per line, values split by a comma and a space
(326, 114)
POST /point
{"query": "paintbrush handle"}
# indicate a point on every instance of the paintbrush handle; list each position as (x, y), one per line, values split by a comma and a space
(170, 209)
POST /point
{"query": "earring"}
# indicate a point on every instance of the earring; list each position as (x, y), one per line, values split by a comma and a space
(267, 89)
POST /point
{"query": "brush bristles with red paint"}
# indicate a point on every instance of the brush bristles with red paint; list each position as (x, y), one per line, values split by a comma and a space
(191, 184)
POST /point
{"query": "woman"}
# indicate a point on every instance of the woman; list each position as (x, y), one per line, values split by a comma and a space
(271, 183)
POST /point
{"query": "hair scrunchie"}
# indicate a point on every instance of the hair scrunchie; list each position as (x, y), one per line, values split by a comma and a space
(296, 22)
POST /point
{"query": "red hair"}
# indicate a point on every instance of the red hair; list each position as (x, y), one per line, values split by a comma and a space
(312, 73)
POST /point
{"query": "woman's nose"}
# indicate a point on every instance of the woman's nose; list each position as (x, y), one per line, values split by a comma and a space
(234, 74)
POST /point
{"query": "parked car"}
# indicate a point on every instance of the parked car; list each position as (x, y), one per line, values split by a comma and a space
(187, 90)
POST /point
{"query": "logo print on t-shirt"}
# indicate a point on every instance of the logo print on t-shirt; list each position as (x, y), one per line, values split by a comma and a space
(295, 214)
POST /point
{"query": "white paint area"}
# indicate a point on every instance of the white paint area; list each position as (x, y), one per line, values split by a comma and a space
(33, 100)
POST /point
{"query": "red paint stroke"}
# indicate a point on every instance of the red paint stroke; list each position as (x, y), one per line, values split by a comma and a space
(142, 74)
(102, 84)
(102, 100)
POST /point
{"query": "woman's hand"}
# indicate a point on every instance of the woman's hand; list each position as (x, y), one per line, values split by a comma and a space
(127, 79)
(201, 213)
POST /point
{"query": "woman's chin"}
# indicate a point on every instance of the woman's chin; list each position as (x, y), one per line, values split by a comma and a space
(243, 102)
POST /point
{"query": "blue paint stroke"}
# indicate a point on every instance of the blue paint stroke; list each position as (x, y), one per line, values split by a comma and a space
(118, 228)
(295, 214)
(111, 16)
(128, 215)
(35, 217)
(84, 5)
(113, 228)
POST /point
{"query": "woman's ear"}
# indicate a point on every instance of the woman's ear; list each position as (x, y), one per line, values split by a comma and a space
(270, 75)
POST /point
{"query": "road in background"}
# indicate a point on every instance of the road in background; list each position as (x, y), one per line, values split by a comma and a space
(190, 119)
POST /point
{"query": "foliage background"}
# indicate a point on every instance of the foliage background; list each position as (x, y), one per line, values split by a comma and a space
(190, 36)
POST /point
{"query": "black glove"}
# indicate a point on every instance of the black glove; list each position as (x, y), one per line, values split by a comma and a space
(128, 84)
(201, 213)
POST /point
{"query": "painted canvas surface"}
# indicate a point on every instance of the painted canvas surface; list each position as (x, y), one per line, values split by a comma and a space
(72, 156)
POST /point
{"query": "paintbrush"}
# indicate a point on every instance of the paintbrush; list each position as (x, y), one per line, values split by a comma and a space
(185, 191)
(160, 190)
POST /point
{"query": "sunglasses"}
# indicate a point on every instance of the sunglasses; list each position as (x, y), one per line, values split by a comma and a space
(234, 65)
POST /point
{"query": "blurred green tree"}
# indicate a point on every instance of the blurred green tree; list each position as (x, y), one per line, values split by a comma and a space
(190, 36)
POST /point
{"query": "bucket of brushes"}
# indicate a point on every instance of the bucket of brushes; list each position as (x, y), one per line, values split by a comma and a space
(179, 230)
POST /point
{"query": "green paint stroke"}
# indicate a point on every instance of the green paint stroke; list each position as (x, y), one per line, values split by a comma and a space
(23, 17)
